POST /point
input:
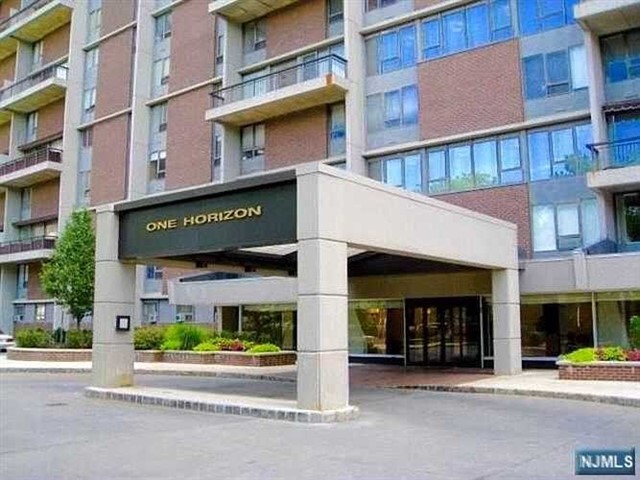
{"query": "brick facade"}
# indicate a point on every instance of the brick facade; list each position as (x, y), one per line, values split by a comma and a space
(296, 138)
(618, 372)
(192, 45)
(188, 140)
(51, 119)
(506, 203)
(56, 44)
(6, 6)
(296, 26)
(108, 171)
(459, 93)
(44, 198)
(116, 15)
(7, 70)
(114, 74)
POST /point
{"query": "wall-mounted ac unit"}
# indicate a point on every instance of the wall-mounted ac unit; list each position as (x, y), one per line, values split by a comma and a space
(153, 318)
(184, 317)
(18, 318)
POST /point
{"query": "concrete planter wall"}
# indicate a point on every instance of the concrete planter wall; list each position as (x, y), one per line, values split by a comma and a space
(614, 371)
(240, 359)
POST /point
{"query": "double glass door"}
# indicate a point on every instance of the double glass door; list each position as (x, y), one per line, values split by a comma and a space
(443, 331)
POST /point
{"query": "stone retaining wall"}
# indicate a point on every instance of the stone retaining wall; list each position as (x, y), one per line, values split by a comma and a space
(613, 371)
(239, 359)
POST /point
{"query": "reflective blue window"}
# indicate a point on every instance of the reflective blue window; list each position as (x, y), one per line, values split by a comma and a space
(534, 80)
(410, 105)
(432, 47)
(408, 47)
(392, 109)
(389, 59)
(621, 56)
(540, 15)
(455, 36)
(559, 152)
(478, 24)
(397, 49)
(557, 73)
(413, 173)
(551, 14)
(539, 156)
(500, 20)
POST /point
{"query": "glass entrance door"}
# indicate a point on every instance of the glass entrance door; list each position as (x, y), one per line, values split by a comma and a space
(443, 331)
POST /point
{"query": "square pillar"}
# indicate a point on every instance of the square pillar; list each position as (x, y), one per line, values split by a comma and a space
(323, 362)
(507, 346)
(115, 282)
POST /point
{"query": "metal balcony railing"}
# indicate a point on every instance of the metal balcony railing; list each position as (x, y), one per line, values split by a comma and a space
(22, 14)
(621, 153)
(257, 87)
(46, 154)
(54, 71)
(27, 245)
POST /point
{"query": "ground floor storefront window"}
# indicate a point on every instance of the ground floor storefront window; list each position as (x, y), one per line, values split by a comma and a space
(614, 312)
(555, 324)
(271, 324)
(376, 327)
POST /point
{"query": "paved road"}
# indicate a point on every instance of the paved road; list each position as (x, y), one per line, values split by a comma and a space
(50, 431)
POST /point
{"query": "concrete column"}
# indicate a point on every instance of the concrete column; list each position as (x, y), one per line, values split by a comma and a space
(323, 366)
(8, 283)
(507, 347)
(355, 100)
(233, 57)
(596, 85)
(113, 353)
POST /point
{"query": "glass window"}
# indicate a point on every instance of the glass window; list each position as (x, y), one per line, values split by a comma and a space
(478, 24)
(510, 163)
(562, 148)
(22, 280)
(432, 39)
(455, 36)
(501, 20)
(614, 310)
(32, 127)
(485, 163)
(40, 312)
(410, 105)
(393, 174)
(460, 167)
(334, 11)
(534, 78)
(271, 324)
(557, 72)
(253, 142)
(376, 327)
(375, 4)
(337, 129)
(568, 156)
(163, 26)
(389, 59)
(408, 47)
(621, 56)
(579, 75)
(413, 173)
(590, 222)
(540, 15)
(254, 35)
(568, 220)
(629, 217)
(392, 109)
(437, 171)
(544, 228)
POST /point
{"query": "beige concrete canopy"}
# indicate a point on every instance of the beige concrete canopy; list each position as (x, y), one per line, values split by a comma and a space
(340, 218)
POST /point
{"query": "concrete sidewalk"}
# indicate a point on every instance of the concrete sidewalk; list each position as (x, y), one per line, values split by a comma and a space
(536, 383)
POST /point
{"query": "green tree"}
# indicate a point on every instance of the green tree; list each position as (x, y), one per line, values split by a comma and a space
(68, 276)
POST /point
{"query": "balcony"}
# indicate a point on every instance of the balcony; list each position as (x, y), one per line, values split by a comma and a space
(617, 165)
(35, 167)
(318, 82)
(604, 17)
(36, 90)
(32, 23)
(26, 250)
(241, 11)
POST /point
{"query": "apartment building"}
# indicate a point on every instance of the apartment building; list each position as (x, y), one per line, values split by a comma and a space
(524, 110)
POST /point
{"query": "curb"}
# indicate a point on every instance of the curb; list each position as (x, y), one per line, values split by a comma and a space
(585, 397)
(182, 373)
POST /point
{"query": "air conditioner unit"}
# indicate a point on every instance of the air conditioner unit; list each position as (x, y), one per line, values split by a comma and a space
(153, 318)
(18, 318)
(184, 317)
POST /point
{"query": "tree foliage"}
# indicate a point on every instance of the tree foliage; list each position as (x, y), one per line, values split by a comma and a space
(68, 276)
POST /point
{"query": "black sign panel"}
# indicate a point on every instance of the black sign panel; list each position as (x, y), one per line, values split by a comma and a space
(259, 216)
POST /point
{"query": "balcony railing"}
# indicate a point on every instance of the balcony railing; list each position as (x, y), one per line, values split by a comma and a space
(46, 154)
(27, 245)
(257, 87)
(621, 153)
(22, 14)
(53, 71)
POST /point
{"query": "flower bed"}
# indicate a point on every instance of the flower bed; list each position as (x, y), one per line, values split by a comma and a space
(240, 359)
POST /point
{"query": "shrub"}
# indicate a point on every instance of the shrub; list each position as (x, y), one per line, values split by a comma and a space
(264, 348)
(33, 338)
(633, 355)
(581, 356)
(611, 354)
(235, 345)
(634, 332)
(148, 338)
(79, 339)
(207, 347)
(244, 336)
(186, 336)
(170, 345)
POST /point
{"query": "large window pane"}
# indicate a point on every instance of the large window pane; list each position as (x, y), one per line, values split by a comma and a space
(590, 223)
(562, 147)
(376, 327)
(544, 228)
(511, 167)
(539, 156)
(460, 167)
(579, 75)
(551, 13)
(389, 59)
(392, 112)
(557, 73)
(534, 81)
(410, 105)
(528, 13)
(408, 46)
(568, 220)
(437, 171)
(501, 20)
(431, 38)
(394, 172)
(485, 163)
(271, 324)
(630, 217)
(413, 173)
(455, 37)
(478, 24)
